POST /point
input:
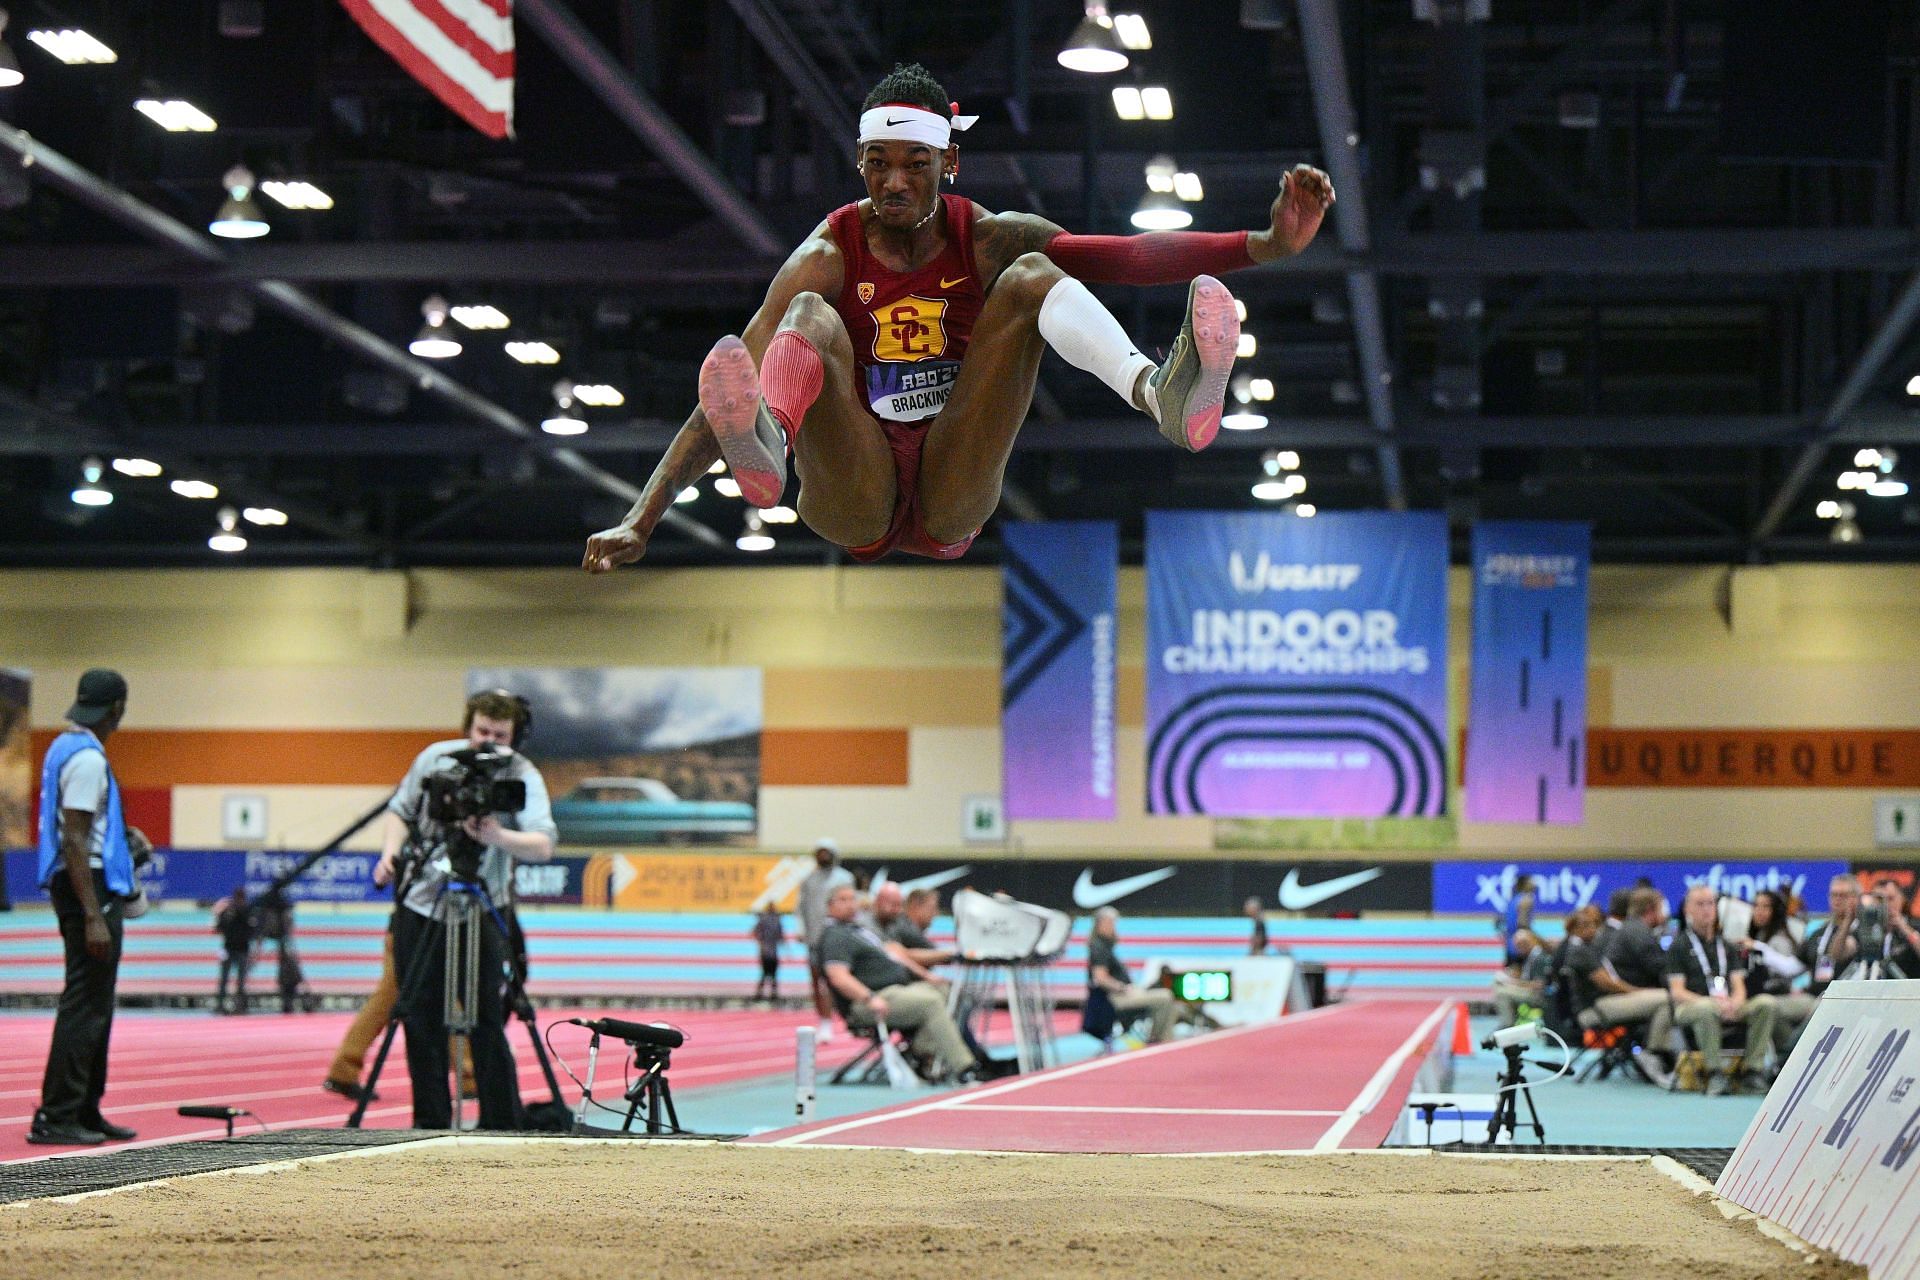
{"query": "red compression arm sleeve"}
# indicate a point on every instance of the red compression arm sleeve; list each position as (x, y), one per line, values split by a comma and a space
(1158, 257)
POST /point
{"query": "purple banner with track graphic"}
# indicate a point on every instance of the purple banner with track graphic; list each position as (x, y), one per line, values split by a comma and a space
(1296, 668)
(1527, 713)
(1062, 582)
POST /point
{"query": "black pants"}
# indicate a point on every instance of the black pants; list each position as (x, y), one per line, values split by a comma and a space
(419, 956)
(235, 963)
(77, 1059)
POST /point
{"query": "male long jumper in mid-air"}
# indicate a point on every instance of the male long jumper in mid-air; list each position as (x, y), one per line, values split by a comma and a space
(895, 355)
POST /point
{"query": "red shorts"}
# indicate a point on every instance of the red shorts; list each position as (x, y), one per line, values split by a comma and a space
(906, 533)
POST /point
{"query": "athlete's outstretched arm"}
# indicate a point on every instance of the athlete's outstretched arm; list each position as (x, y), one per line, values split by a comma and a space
(1174, 257)
(814, 267)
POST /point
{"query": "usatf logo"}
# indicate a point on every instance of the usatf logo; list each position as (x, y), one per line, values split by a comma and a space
(865, 290)
(910, 329)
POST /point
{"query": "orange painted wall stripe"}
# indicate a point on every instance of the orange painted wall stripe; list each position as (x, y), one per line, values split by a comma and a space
(833, 758)
(379, 757)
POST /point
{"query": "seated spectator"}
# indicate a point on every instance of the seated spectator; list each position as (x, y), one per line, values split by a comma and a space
(1710, 991)
(1108, 972)
(1600, 998)
(1772, 964)
(1900, 954)
(1634, 988)
(1832, 948)
(904, 923)
(1523, 982)
(877, 987)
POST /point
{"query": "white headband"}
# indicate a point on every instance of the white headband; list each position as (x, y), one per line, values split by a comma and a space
(897, 122)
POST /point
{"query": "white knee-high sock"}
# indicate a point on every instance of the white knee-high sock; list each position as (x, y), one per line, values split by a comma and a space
(1086, 335)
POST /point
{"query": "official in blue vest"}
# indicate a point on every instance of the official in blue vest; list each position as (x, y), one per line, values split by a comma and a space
(87, 856)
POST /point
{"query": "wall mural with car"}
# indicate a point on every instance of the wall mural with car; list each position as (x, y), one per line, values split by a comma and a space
(643, 755)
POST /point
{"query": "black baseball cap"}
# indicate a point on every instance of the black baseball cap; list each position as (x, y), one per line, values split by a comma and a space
(99, 690)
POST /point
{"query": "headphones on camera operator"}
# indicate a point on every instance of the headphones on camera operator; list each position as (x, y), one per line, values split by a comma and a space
(417, 850)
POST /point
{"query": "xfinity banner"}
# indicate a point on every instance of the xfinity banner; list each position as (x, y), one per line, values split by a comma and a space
(1296, 668)
(1527, 716)
(1056, 681)
(1485, 888)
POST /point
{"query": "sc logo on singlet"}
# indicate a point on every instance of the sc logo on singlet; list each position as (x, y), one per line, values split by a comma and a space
(911, 329)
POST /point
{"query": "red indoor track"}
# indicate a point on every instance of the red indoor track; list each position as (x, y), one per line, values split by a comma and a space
(272, 1065)
(1323, 1080)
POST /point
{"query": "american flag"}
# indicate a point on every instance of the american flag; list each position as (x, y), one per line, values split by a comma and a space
(461, 50)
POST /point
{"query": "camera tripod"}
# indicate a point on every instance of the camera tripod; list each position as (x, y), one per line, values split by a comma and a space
(1506, 1112)
(468, 909)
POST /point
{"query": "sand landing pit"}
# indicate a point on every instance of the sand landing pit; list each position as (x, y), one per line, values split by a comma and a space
(623, 1209)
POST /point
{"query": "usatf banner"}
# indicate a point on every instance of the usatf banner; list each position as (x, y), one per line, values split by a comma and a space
(1056, 679)
(1296, 668)
(1527, 712)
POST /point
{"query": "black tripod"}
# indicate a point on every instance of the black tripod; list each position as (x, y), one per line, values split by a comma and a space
(652, 1091)
(1506, 1112)
(468, 908)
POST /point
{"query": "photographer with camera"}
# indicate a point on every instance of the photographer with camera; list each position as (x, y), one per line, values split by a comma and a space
(468, 809)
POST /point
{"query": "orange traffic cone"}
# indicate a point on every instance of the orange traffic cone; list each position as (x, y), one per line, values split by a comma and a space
(1462, 1032)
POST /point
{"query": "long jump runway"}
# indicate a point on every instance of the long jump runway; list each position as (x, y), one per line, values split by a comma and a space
(1325, 1080)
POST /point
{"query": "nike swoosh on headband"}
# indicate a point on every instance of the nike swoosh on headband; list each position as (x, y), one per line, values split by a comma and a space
(1089, 896)
(1295, 896)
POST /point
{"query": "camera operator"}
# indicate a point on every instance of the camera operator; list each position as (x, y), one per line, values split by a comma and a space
(1832, 948)
(495, 720)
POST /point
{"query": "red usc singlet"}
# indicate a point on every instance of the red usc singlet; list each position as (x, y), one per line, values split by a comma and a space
(909, 333)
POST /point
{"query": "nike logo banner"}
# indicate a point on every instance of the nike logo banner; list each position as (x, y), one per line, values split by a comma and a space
(1061, 581)
(1201, 886)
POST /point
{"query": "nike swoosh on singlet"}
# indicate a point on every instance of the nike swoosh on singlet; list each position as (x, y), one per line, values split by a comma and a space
(948, 284)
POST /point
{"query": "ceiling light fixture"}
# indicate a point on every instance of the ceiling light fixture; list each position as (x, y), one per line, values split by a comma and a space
(228, 540)
(754, 535)
(90, 493)
(689, 494)
(175, 115)
(599, 395)
(1160, 171)
(482, 316)
(296, 195)
(1161, 211)
(434, 341)
(1261, 388)
(1133, 33)
(266, 517)
(1274, 461)
(139, 468)
(1187, 187)
(727, 487)
(780, 515)
(1158, 101)
(73, 47)
(1127, 104)
(10, 74)
(564, 422)
(239, 218)
(1306, 510)
(1093, 48)
(1887, 488)
(533, 352)
(1243, 418)
(1248, 345)
(719, 466)
(198, 489)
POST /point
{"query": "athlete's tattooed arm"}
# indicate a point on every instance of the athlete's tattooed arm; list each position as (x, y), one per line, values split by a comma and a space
(999, 238)
(814, 267)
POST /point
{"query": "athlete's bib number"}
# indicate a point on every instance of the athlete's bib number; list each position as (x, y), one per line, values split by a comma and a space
(910, 392)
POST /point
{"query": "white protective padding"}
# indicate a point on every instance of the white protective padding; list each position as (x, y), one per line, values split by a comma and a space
(1833, 1151)
(993, 928)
